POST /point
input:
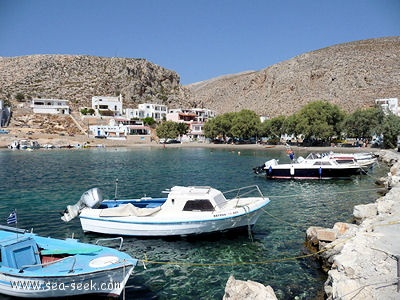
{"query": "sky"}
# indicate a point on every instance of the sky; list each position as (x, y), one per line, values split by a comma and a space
(198, 39)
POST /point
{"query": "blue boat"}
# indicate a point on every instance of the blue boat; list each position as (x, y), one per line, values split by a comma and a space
(40, 267)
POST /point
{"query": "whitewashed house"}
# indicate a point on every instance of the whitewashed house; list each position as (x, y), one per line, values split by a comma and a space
(50, 106)
(134, 113)
(194, 118)
(156, 111)
(3, 114)
(112, 130)
(389, 104)
(107, 105)
(122, 130)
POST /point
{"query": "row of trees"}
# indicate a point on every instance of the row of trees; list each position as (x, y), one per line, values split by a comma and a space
(318, 122)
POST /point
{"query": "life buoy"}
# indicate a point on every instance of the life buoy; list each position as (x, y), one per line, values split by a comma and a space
(103, 261)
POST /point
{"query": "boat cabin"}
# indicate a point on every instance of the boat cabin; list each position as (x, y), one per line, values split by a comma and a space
(19, 252)
(194, 198)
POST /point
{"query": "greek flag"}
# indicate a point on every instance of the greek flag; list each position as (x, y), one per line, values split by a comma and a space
(12, 218)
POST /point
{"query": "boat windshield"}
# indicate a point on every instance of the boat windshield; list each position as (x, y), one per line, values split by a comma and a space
(198, 205)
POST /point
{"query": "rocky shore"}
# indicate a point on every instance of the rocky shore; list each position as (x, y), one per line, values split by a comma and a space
(363, 259)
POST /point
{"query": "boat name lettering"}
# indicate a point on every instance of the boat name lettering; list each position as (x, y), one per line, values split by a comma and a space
(225, 214)
(61, 286)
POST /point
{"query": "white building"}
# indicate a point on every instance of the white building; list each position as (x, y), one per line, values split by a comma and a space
(107, 105)
(156, 111)
(119, 130)
(134, 113)
(50, 106)
(389, 104)
(147, 110)
(194, 118)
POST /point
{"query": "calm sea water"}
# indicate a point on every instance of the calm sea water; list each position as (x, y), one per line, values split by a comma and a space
(39, 184)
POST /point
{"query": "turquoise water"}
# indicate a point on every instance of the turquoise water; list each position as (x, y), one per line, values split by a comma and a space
(40, 184)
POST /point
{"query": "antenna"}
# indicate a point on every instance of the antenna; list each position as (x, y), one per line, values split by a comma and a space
(116, 189)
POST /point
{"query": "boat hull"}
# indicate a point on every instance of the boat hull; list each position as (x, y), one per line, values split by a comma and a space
(146, 226)
(108, 283)
(311, 173)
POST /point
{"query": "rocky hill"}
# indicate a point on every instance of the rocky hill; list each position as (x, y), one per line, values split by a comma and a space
(351, 75)
(79, 78)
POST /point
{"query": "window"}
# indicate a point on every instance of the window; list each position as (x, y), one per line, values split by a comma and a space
(201, 205)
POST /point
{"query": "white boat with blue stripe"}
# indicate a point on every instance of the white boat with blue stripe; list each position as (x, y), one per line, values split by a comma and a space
(41, 267)
(187, 210)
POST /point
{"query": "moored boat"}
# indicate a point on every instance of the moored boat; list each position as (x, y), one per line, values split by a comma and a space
(314, 166)
(365, 160)
(41, 267)
(186, 211)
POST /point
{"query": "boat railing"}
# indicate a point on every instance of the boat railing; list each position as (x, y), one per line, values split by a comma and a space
(112, 239)
(13, 229)
(21, 270)
(244, 191)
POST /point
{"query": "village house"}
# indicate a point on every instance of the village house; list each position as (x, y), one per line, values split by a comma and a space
(50, 106)
(194, 118)
(107, 105)
(5, 113)
(147, 110)
(389, 105)
(122, 129)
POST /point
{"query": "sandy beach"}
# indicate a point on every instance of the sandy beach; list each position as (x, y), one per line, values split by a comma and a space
(64, 141)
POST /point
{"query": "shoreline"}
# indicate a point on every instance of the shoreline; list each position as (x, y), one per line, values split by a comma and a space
(60, 141)
(362, 259)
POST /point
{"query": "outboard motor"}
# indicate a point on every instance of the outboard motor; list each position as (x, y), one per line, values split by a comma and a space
(259, 169)
(91, 198)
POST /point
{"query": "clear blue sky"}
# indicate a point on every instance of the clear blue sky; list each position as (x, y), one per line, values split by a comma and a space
(199, 39)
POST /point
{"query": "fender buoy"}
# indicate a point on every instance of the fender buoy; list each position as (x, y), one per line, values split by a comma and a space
(103, 261)
(292, 170)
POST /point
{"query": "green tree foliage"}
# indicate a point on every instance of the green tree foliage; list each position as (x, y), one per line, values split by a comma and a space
(274, 127)
(363, 123)
(20, 97)
(182, 128)
(390, 130)
(245, 124)
(167, 130)
(319, 120)
(219, 127)
(87, 111)
(148, 121)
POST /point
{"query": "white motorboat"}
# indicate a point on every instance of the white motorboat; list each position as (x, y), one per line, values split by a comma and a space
(186, 211)
(42, 267)
(314, 166)
(365, 160)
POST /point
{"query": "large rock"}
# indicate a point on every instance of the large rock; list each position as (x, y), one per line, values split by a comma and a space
(366, 266)
(249, 290)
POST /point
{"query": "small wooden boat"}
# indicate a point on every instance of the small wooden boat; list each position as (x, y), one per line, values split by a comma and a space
(41, 267)
(186, 211)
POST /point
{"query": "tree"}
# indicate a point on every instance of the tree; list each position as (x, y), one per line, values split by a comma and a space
(319, 120)
(182, 129)
(167, 130)
(148, 121)
(390, 131)
(363, 123)
(20, 97)
(274, 127)
(245, 124)
(220, 126)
